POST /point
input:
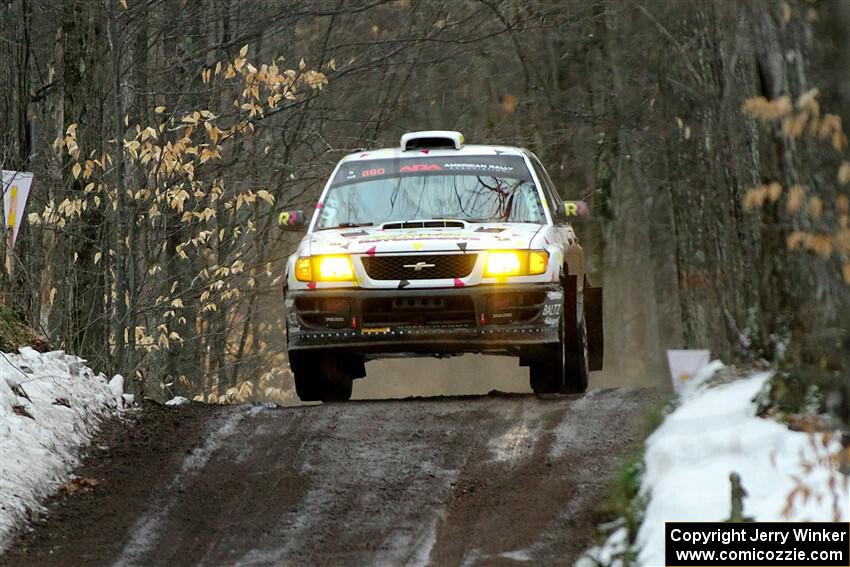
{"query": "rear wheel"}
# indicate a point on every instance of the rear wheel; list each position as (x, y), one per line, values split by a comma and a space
(562, 367)
(324, 376)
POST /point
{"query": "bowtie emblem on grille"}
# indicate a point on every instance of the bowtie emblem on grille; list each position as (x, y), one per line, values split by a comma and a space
(419, 266)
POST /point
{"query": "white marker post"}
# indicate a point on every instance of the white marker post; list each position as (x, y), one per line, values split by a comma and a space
(16, 190)
(685, 364)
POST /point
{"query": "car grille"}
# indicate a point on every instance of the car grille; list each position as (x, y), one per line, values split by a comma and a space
(395, 311)
(431, 266)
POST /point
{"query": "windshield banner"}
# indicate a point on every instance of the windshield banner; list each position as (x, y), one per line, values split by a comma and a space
(506, 167)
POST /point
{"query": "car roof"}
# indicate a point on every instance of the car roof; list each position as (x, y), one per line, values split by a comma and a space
(466, 150)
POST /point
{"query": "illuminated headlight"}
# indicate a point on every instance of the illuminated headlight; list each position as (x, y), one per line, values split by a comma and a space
(506, 263)
(324, 269)
(501, 264)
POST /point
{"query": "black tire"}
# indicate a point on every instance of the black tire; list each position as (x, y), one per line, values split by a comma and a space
(545, 374)
(562, 368)
(576, 378)
(322, 377)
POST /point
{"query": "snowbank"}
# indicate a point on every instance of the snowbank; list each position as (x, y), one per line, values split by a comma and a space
(713, 433)
(50, 406)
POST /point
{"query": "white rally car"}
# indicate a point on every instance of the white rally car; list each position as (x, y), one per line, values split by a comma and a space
(438, 248)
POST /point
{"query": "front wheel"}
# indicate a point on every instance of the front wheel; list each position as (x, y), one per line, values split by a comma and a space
(562, 368)
(324, 377)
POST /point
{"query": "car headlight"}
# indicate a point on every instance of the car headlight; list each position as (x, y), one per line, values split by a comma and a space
(505, 263)
(336, 268)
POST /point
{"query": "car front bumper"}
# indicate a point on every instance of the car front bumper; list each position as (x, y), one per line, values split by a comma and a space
(503, 318)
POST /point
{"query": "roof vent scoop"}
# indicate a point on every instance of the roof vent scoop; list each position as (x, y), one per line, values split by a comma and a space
(432, 139)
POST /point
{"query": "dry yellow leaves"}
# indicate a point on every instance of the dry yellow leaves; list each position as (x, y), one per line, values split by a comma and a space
(844, 173)
(509, 104)
(265, 196)
(795, 239)
(774, 191)
(764, 109)
(755, 197)
(796, 198)
(815, 207)
(809, 101)
(842, 241)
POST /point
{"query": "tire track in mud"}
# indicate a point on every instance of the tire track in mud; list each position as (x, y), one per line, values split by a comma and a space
(480, 480)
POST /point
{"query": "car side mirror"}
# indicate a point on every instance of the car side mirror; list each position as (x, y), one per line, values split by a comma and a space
(572, 211)
(292, 220)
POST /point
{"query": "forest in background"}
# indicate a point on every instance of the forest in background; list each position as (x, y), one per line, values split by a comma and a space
(165, 135)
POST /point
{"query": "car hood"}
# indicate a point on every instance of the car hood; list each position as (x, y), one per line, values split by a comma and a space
(375, 240)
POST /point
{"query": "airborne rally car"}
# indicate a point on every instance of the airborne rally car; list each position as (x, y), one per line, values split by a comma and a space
(439, 248)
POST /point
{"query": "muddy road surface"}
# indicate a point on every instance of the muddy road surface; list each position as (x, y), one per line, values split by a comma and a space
(479, 480)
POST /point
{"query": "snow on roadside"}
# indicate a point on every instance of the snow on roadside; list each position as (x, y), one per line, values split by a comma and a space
(50, 406)
(714, 432)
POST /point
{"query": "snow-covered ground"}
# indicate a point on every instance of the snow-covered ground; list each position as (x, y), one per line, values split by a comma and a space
(50, 406)
(712, 433)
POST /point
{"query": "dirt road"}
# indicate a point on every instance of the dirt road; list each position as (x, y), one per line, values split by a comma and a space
(480, 480)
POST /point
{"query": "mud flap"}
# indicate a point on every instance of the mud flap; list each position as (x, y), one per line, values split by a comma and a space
(593, 320)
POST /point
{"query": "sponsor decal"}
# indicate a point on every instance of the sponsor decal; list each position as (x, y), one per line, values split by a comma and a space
(373, 172)
(395, 237)
(290, 218)
(552, 310)
(375, 330)
(480, 167)
(499, 166)
(419, 167)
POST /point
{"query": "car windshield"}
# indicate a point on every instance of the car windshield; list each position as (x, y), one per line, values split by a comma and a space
(367, 194)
